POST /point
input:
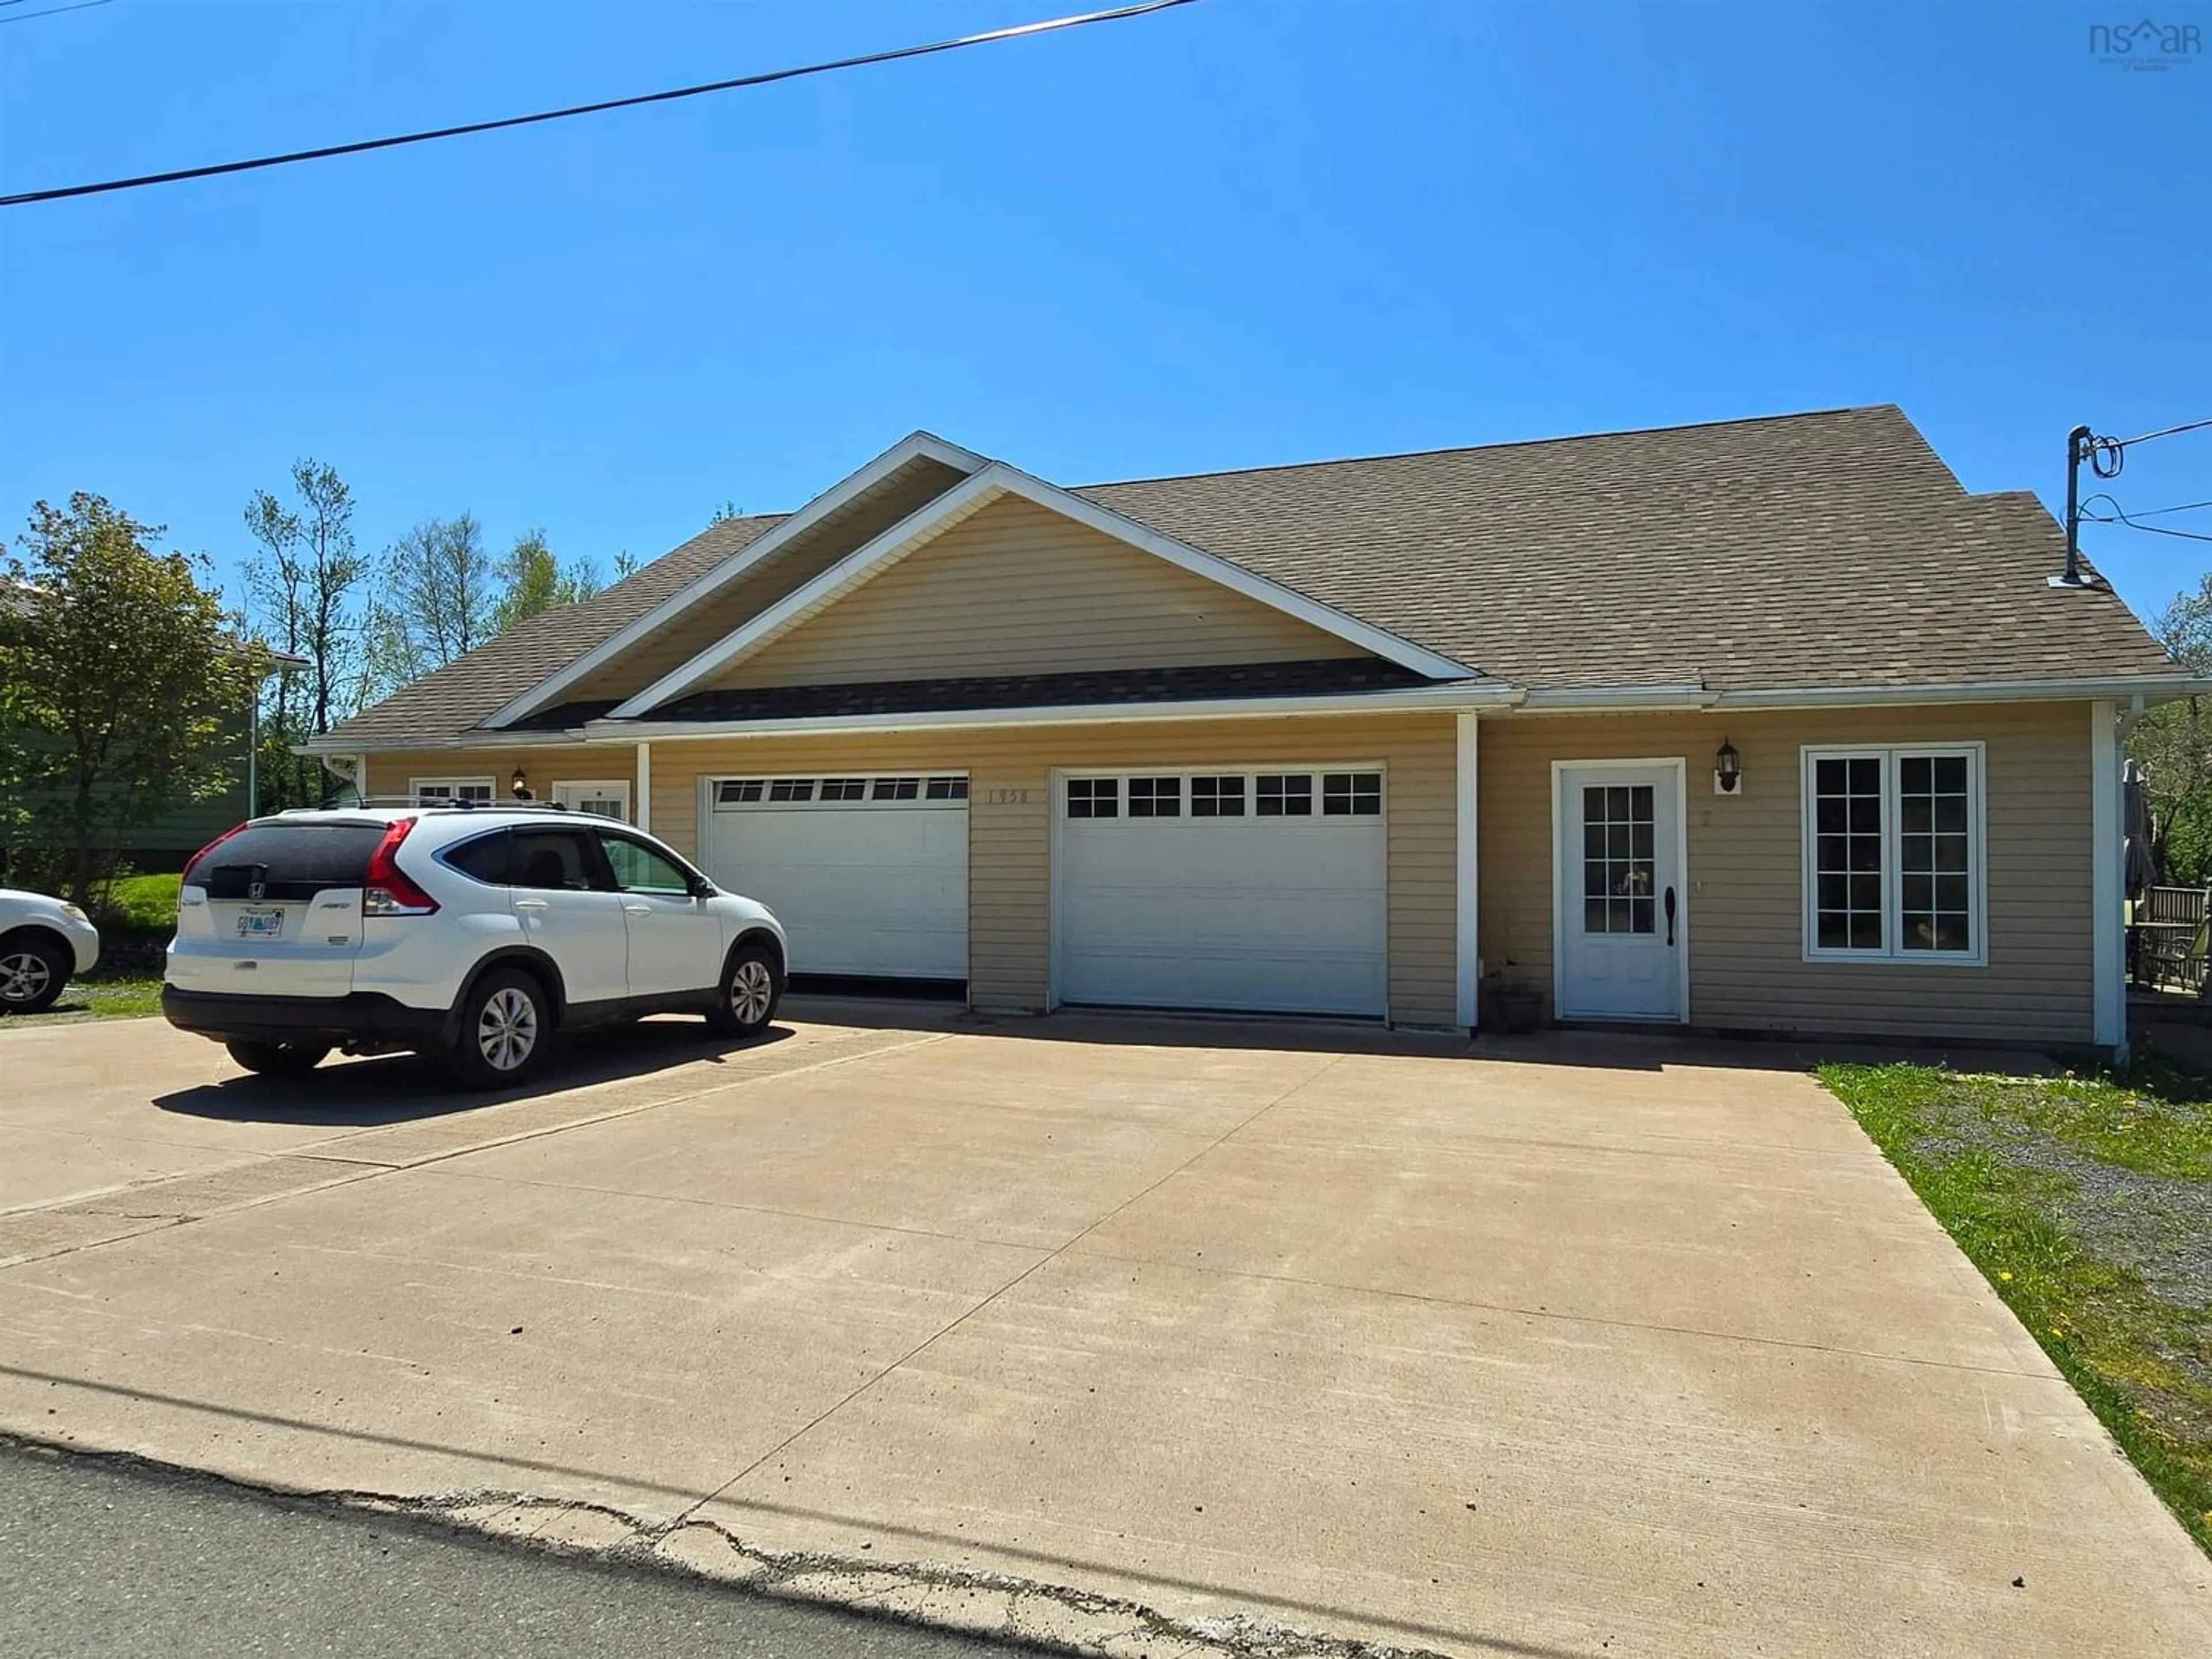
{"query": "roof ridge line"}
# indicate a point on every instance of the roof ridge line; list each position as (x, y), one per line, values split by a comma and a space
(1505, 443)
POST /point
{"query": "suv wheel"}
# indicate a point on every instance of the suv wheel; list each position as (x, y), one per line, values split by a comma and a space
(278, 1059)
(752, 986)
(33, 971)
(505, 1026)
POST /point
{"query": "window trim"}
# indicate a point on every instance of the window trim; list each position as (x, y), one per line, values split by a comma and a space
(1974, 750)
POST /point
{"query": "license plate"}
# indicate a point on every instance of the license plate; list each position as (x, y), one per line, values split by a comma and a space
(261, 924)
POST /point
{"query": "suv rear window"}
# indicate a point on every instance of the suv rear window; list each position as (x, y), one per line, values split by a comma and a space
(290, 861)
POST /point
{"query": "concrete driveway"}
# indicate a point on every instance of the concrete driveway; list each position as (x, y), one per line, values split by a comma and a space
(1599, 1347)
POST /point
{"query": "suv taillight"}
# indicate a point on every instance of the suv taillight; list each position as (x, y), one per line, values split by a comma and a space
(388, 890)
(192, 863)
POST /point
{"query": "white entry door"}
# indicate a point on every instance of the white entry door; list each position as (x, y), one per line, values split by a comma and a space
(867, 874)
(607, 796)
(1261, 889)
(1618, 880)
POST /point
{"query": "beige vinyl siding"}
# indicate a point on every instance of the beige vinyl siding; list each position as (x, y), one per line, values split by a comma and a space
(544, 765)
(799, 561)
(1018, 589)
(1010, 822)
(1745, 865)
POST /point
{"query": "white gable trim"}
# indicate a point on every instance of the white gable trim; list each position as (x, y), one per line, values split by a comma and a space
(979, 491)
(920, 446)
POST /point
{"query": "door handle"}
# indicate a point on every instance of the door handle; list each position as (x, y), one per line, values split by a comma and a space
(530, 904)
(1670, 916)
(637, 909)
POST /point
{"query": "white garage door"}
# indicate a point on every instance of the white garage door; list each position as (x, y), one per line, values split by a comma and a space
(868, 875)
(1256, 890)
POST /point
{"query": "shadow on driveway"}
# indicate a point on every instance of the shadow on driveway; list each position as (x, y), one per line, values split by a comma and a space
(1623, 1049)
(405, 1088)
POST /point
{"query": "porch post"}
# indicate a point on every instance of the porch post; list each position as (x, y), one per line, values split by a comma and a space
(1469, 967)
(2108, 883)
(642, 810)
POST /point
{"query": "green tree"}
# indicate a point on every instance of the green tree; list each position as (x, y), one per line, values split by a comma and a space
(303, 596)
(438, 600)
(2173, 743)
(531, 579)
(120, 684)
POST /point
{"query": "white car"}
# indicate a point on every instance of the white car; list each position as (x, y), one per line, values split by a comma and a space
(473, 931)
(44, 943)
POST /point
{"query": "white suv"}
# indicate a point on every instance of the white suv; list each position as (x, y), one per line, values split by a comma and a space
(474, 932)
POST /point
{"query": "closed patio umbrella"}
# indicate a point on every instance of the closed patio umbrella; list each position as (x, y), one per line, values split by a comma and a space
(2141, 870)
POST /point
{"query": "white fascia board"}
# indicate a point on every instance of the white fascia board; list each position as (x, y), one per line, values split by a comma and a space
(480, 739)
(918, 445)
(1600, 699)
(978, 490)
(1582, 699)
(1415, 699)
(2038, 690)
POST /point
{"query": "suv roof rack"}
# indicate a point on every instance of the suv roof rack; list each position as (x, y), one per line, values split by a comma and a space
(337, 803)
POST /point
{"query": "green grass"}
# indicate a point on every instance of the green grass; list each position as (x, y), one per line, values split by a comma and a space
(84, 1000)
(2142, 1362)
(145, 904)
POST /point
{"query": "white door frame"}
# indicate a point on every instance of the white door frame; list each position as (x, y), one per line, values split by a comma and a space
(1559, 920)
(597, 789)
(1056, 805)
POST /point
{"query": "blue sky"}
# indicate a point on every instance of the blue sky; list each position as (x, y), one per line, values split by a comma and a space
(1248, 231)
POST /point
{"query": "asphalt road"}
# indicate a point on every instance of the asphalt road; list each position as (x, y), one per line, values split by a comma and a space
(102, 1559)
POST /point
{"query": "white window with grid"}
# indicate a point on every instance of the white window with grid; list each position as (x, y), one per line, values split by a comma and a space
(450, 792)
(1895, 862)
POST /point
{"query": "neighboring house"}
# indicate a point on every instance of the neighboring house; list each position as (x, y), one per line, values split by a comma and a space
(1346, 738)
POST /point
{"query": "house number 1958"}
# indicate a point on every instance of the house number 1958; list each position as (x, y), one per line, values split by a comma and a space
(1008, 796)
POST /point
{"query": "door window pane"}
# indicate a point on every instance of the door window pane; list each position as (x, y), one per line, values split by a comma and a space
(554, 861)
(1619, 872)
(641, 869)
(898, 789)
(485, 859)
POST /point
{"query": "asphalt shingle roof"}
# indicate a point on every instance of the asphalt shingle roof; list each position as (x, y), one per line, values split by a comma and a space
(1832, 549)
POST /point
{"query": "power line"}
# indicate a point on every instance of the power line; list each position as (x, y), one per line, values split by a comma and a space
(2120, 515)
(2163, 432)
(51, 11)
(25, 197)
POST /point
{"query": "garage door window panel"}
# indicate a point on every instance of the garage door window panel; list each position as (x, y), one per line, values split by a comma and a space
(1221, 796)
(1094, 797)
(1285, 794)
(1352, 794)
(1155, 797)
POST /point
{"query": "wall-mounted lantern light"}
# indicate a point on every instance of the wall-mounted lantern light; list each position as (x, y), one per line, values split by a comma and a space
(1728, 769)
(521, 785)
